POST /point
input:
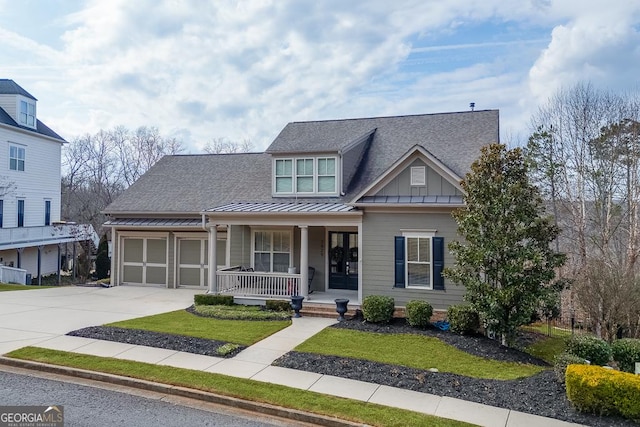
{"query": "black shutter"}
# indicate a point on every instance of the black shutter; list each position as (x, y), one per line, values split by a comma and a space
(399, 262)
(438, 262)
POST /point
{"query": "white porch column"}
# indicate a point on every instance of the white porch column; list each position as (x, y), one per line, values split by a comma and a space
(304, 261)
(213, 256)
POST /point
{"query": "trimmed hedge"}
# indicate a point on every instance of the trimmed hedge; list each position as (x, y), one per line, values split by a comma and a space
(463, 319)
(418, 313)
(562, 360)
(278, 305)
(213, 299)
(603, 391)
(626, 352)
(595, 350)
(378, 309)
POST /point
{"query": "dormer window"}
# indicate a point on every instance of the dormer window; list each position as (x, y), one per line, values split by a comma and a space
(313, 176)
(27, 114)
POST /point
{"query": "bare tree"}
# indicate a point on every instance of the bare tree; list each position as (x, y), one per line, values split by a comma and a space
(585, 154)
(98, 168)
(223, 145)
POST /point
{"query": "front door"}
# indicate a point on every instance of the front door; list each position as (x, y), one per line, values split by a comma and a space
(343, 260)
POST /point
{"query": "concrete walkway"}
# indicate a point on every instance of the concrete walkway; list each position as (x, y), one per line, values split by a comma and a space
(43, 317)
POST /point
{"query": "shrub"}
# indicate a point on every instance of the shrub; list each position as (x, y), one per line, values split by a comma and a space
(463, 319)
(278, 305)
(227, 349)
(603, 391)
(595, 350)
(418, 313)
(240, 312)
(562, 360)
(626, 352)
(213, 299)
(378, 309)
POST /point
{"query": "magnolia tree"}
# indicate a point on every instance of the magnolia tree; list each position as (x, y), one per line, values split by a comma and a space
(506, 262)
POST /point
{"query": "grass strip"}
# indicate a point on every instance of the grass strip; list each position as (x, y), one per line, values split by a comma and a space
(412, 350)
(346, 409)
(181, 322)
(547, 348)
(10, 287)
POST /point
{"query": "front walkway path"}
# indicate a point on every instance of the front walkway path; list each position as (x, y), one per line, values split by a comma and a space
(25, 323)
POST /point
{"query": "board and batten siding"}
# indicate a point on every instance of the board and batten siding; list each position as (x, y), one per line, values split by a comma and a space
(379, 231)
(39, 181)
(436, 185)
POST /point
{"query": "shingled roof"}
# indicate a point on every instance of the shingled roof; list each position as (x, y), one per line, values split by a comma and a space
(9, 87)
(194, 183)
(453, 138)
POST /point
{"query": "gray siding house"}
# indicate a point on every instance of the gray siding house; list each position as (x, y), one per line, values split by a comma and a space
(336, 208)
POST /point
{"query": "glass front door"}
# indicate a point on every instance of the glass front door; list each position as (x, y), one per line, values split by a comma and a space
(343, 260)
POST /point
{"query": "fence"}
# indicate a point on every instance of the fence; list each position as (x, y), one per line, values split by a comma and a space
(13, 275)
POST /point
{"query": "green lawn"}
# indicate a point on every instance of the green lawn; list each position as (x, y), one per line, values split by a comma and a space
(547, 348)
(412, 350)
(543, 329)
(356, 411)
(244, 332)
(7, 287)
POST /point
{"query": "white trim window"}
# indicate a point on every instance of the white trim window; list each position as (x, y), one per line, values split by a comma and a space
(284, 176)
(305, 175)
(419, 265)
(271, 250)
(27, 113)
(16, 158)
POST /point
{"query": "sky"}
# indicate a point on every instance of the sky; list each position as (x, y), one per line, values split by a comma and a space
(202, 70)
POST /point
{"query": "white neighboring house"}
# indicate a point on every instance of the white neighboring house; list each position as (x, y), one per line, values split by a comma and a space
(31, 233)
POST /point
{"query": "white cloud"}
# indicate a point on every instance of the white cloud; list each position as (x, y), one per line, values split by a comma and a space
(242, 70)
(599, 44)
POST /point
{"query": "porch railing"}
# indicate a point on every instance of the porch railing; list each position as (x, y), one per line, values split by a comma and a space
(257, 284)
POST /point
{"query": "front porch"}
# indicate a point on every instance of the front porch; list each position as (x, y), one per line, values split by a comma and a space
(280, 250)
(263, 286)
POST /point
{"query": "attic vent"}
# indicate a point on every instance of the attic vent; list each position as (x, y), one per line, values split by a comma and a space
(418, 175)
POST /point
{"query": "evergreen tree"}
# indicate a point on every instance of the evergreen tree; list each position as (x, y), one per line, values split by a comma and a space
(506, 260)
(103, 262)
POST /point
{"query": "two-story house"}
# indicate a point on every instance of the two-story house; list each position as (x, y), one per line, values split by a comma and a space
(332, 208)
(30, 155)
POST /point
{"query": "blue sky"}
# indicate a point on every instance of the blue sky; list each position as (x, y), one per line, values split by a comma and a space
(202, 70)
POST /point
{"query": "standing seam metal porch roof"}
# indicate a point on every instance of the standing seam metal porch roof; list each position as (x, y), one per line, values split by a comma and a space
(284, 208)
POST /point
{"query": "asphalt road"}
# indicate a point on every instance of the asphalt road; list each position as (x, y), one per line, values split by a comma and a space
(87, 405)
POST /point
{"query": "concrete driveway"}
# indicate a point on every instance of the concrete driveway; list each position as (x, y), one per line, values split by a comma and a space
(35, 316)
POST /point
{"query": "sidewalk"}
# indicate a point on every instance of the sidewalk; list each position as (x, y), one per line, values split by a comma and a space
(255, 363)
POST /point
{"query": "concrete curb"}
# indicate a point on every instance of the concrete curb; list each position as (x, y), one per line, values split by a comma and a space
(263, 408)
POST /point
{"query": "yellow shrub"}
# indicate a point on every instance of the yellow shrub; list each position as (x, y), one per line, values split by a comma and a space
(603, 391)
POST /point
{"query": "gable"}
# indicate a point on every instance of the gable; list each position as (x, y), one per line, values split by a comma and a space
(434, 184)
(438, 184)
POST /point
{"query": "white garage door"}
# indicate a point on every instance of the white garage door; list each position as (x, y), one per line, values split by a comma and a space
(144, 261)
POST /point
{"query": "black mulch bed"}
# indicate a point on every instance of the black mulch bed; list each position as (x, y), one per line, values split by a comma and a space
(540, 394)
(155, 339)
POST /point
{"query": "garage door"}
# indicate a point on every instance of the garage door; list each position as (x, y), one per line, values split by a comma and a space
(145, 261)
(192, 262)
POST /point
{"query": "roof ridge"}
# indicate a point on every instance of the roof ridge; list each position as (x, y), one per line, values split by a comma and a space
(397, 116)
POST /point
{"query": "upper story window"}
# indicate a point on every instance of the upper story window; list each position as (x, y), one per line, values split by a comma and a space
(16, 158)
(27, 113)
(308, 175)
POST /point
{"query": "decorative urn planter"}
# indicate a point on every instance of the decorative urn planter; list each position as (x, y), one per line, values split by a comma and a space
(341, 307)
(296, 304)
